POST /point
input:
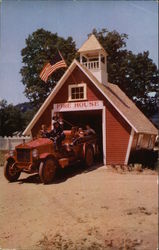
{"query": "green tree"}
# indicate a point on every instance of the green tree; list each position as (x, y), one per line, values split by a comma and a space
(10, 119)
(27, 116)
(41, 46)
(137, 75)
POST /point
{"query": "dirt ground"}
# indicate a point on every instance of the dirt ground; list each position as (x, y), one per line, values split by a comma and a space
(93, 209)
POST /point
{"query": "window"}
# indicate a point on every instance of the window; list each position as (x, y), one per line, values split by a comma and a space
(77, 92)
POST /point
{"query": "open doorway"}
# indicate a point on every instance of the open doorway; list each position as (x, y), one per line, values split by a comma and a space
(81, 119)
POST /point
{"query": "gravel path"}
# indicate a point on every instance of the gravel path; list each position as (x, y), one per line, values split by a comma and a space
(96, 209)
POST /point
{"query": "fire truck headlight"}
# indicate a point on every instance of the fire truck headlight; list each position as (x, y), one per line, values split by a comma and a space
(35, 153)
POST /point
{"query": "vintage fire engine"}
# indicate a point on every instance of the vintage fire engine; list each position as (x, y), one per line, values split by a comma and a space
(39, 156)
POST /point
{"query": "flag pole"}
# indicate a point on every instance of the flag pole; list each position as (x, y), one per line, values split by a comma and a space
(68, 69)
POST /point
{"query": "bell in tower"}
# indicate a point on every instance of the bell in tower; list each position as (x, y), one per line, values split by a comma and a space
(94, 58)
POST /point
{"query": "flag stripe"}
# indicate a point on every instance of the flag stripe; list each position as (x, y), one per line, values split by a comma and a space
(50, 68)
(56, 66)
(45, 69)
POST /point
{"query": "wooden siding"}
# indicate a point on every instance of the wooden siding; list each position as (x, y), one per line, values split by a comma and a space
(77, 77)
(117, 136)
(147, 141)
(134, 143)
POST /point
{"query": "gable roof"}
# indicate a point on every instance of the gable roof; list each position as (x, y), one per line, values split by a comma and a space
(127, 109)
(91, 44)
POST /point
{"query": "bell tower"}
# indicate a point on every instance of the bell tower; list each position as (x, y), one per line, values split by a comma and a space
(94, 58)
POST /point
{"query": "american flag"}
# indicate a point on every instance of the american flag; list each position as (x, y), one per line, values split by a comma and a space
(57, 62)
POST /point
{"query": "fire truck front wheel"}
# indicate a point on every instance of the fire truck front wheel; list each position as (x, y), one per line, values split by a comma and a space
(11, 172)
(47, 170)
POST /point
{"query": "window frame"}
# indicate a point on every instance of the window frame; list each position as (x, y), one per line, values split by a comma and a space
(71, 86)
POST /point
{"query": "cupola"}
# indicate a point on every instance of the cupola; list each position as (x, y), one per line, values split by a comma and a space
(94, 58)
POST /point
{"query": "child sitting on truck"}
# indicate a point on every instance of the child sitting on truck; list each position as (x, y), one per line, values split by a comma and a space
(43, 131)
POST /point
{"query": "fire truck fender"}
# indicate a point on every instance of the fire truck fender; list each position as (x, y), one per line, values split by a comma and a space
(45, 155)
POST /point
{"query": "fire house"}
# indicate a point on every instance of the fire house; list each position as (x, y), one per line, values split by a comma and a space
(84, 96)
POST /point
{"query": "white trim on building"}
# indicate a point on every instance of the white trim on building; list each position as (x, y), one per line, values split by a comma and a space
(104, 134)
(78, 86)
(129, 146)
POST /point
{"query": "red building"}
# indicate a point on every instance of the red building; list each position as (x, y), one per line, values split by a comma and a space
(83, 95)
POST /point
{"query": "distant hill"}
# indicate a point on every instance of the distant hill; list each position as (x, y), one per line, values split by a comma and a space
(25, 106)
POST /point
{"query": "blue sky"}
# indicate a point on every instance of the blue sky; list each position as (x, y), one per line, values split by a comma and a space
(19, 18)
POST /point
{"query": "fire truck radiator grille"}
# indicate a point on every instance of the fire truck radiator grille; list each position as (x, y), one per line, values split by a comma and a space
(23, 155)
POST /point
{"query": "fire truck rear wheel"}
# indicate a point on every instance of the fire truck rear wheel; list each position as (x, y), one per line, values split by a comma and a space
(47, 170)
(89, 156)
(10, 171)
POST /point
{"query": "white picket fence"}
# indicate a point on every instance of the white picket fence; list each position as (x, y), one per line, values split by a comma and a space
(9, 143)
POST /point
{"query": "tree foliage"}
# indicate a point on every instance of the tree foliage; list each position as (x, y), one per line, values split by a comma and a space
(40, 47)
(10, 119)
(14, 119)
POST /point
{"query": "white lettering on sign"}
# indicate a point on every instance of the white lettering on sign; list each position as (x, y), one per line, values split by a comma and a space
(77, 106)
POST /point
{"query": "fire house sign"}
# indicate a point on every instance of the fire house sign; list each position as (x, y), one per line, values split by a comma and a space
(77, 106)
